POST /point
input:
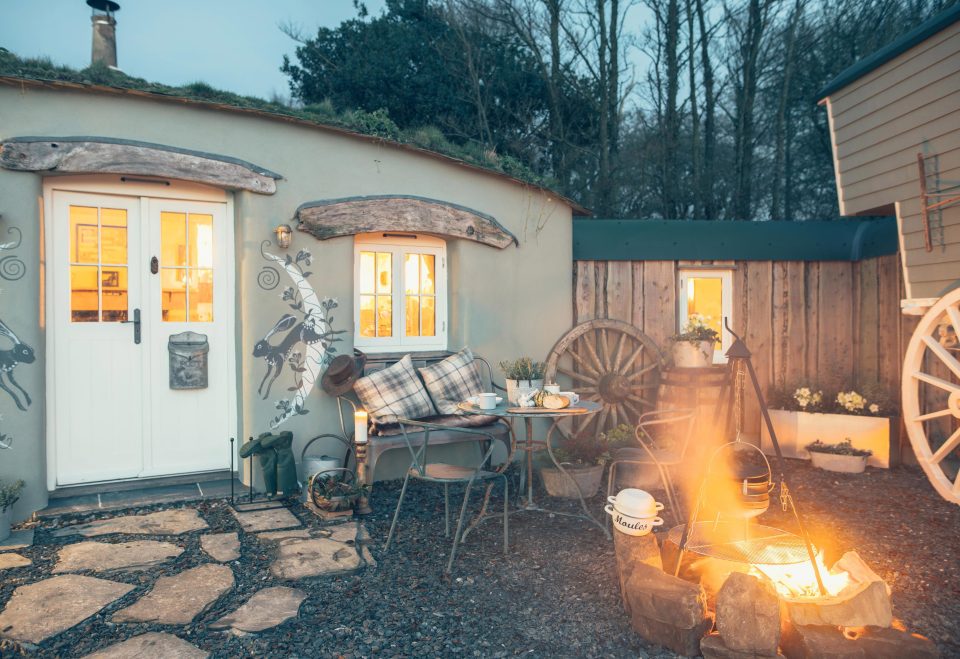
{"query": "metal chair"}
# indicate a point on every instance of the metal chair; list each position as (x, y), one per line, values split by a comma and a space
(679, 421)
(438, 472)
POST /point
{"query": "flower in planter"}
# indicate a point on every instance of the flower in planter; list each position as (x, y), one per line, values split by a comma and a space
(697, 329)
(874, 409)
(851, 401)
(9, 494)
(808, 399)
(523, 369)
(845, 447)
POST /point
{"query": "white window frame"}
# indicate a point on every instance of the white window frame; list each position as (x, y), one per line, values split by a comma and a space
(399, 245)
(726, 291)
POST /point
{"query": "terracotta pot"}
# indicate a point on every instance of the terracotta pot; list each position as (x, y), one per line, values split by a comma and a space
(693, 355)
(517, 388)
(844, 464)
(558, 485)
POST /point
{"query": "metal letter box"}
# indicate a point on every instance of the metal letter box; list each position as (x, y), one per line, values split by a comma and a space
(188, 360)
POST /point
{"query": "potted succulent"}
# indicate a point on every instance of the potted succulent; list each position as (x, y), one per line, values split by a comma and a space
(865, 414)
(523, 376)
(842, 457)
(693, 347)
(622, 445)
(9, 495)
(334, 493)
(583, 458)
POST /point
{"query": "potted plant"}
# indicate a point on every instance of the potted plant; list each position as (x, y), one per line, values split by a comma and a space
(333, 493)
(523, 376)
(693, 347)
(865, 414)
(583, 458)
(842, 457)
(622, 445)
(9, 495)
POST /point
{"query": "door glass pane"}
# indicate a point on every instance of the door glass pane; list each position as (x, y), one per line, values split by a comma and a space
(368, 276)
(385, 315)
(173, 294)
(201, 241)
(84, 294)
(113, 282)
(411, 274)
(428, 316)
(201, 296)
(427, 276)
(113, 236)
(367, 313)
(384, 272)
(84, 246)
(413, 315)
(705, 297)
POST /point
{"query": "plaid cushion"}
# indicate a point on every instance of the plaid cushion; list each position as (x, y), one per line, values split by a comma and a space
(394, 393)
(452, 381)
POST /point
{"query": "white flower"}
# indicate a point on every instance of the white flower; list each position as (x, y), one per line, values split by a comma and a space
(874, 409)
(851, 401)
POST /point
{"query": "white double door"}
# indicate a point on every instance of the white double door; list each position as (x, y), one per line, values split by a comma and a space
(125, 274)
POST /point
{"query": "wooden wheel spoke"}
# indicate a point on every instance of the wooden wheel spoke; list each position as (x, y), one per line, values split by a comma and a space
(954, 314)
(630, 407)
(643, 371)
(634, 387)
(583, 363)
(586, 390)
(604, 347)
(614, 415)
(937, 382)
(944, 355)
(592, 353)
(577, 376)
(633, 357)
(641, 400)
(602, 418)
(618, 351)
(933, 415)
(948, 447)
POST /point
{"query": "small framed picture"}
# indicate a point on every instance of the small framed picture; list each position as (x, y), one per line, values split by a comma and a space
(110, 279)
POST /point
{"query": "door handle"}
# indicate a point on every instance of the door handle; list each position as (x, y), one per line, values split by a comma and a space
(136, 325)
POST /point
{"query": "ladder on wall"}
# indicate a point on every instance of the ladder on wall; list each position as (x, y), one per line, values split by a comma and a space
(933, 197)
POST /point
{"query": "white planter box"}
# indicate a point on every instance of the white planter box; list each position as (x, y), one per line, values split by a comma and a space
(843, 464)
(795, 430)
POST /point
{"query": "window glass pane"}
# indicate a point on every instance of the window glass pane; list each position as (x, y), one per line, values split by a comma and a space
(200, 250)
(84, 247)
(411, 274)
(384, 272)
(173, 294)
(413, 315)
(84, 294)
(201, 295)
(705, 297)
(384, 315)
(113, 236)
(113, 282)
(173, 239)
(428, 313)
(367, 275)
(367, 313)
(427, 274)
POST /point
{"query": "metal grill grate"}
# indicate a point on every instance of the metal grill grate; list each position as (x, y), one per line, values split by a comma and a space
(755, 544)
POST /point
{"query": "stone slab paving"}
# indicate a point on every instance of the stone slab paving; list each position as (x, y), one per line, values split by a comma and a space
(178, 599)
(313, 557)
(268, 519)
(163, 522)
(40, 610)
(18, 540)
(11, 560)
(277, 536)
(154, 645)
(267, 608)
(114, 556)
(221, 547)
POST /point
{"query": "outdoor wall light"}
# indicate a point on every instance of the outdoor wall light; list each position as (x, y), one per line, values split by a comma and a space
(284, 235)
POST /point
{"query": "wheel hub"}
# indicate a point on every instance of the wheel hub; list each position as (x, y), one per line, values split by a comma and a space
(953, 404)
(614, 388)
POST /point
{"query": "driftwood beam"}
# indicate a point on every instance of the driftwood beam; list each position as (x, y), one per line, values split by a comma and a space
(352, 215)
(103, 155)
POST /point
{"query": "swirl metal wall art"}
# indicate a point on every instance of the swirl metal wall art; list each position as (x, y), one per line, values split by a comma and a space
(12, 267)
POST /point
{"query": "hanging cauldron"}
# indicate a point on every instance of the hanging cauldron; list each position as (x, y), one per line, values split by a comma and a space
(743, 488)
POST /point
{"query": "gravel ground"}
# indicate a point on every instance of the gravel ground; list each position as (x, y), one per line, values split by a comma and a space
(555, 595)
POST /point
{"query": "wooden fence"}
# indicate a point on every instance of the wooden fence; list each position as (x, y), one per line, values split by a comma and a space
(832, 323)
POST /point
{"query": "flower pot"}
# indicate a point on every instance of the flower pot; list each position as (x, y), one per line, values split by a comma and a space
(844, 464)
(558, 485)
(6, 517)
(517, 388)
(687, 354)
(795, 430)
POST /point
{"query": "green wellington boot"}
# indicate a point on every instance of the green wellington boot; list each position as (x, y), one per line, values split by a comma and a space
(267, 458)
(282, 443)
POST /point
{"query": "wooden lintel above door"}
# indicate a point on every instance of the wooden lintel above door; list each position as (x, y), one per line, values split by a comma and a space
(333, 218)
(106, 155)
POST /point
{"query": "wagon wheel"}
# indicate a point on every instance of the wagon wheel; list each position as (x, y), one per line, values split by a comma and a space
(612, 363)
(931, 374)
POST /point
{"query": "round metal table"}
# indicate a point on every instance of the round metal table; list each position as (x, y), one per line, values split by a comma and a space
(531, 446)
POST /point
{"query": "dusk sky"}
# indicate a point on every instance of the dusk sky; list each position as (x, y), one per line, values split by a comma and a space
(234, 45)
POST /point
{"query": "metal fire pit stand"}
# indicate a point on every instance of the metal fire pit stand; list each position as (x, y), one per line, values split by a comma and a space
(739, 357)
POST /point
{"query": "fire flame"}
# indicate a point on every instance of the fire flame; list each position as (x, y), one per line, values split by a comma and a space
(798, 581)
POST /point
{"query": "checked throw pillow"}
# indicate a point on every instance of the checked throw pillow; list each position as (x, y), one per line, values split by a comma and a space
(394, 393)
(453, 380)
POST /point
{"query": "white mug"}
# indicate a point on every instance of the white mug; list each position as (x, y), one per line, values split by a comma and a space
(487, 401)
(552, 388)
(573, 397)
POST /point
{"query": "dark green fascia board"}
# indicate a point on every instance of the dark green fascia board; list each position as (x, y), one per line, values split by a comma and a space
(703, 240)
(920, 33)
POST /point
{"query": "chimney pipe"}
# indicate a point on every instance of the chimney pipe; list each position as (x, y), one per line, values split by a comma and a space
(104, 48)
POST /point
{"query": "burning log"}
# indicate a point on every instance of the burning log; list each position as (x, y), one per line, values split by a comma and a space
(864, 601)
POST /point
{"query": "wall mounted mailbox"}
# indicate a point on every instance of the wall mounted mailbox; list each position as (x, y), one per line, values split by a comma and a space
(188, 360)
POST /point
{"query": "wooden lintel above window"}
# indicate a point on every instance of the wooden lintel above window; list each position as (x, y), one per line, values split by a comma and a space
(106, 155)
(333, 218)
